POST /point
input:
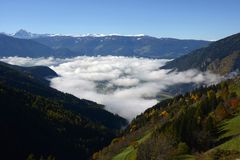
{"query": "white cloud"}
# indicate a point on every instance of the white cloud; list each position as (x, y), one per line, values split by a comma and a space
(125, 82)
(125, 85)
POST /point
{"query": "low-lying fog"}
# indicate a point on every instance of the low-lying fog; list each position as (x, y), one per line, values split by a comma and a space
(125, 85)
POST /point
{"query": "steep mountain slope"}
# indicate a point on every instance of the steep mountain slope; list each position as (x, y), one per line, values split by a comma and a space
(36, 85)
(36, 119)
(35, 125)
(220, 57)
(202, 124)
(144, 46)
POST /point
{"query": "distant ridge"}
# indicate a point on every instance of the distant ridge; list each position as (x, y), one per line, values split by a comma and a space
(10, 46)
(99, 44)
(118, 45)
(220, 57)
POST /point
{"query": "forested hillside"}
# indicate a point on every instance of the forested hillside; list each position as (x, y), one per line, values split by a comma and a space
(202, 124)
(39, 122)
(24, 78)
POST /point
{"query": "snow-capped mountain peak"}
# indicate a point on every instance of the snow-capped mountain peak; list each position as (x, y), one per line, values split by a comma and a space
(23, 34)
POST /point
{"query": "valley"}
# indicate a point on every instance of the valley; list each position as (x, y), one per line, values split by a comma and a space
(125, 96)
(121, 107)
(119, 83)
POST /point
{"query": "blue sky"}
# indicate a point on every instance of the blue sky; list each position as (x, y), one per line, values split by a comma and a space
(191, 19)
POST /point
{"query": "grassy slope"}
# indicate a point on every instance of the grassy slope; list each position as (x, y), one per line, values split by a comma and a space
(130, 153)
(232, 127)
(127, 154)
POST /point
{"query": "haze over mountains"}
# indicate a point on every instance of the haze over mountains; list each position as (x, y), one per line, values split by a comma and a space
(92, 45)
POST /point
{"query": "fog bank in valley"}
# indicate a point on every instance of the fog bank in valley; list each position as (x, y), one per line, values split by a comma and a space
(125, 85)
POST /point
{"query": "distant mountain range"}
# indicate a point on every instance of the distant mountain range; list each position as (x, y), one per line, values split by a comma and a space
(24, 43)
(10, 46)
(220, 57)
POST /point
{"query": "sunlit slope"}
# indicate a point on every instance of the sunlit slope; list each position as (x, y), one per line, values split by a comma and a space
(201, 124)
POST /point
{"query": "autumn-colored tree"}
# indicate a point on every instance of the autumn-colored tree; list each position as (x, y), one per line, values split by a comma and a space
(164, 114)
(234, 103)
(220, 112)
